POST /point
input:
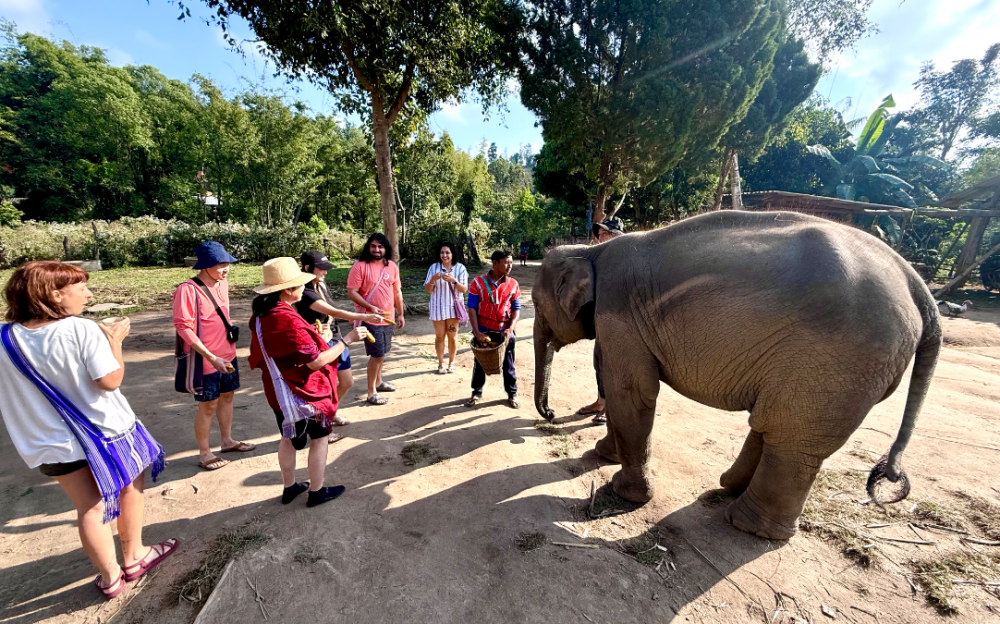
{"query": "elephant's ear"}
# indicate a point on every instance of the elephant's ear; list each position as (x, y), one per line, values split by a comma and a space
(575, 287)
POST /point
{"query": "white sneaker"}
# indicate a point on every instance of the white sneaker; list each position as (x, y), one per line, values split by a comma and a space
(451, 367)
(441, 369)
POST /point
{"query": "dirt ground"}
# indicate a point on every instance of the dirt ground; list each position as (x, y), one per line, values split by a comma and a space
(438, 541)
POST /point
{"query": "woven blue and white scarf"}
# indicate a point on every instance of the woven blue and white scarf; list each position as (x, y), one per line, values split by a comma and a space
(116, 461)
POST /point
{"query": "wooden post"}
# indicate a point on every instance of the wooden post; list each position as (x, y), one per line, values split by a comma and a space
(972, 243)
(65, 247)
(960, 277)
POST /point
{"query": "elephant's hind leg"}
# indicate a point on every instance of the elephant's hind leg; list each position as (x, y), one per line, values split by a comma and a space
(771, 505)
(738, 477)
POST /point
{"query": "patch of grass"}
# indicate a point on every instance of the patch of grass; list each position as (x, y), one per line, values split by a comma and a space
(527, 542)
(196, 585)
(643, 548)
(718, 496)
(982, 513)
(930, 511)
(606, 500)
(935, 576)
(307, 555)
(832, 514)
(417, 452)
(561, 444)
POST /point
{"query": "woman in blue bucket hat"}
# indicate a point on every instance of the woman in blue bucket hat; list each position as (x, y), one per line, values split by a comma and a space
(201, 317)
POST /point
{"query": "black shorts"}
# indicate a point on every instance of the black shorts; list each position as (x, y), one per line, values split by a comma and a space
(305, 430)
(383, 340)
(61, 470)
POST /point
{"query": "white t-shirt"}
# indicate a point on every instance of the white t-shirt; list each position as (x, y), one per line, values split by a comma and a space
(69, 354)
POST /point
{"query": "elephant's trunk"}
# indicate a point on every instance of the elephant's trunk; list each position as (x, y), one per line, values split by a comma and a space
(543, 367)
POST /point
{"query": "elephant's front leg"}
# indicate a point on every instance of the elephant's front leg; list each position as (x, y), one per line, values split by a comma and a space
(631, 383)
(771, 505)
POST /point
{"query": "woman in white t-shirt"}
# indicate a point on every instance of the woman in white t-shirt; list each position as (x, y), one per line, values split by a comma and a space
(82, 360)
(446, 281)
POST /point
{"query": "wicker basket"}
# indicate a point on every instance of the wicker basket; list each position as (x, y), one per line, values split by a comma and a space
(490, 358)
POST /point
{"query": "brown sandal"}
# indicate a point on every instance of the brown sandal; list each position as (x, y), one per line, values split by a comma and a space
(239, 447)
(213, 464)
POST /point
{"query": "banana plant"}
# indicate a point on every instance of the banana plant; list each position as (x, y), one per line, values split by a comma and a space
(869, 174)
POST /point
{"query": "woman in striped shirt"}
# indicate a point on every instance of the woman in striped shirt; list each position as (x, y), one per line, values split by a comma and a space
(446, 281)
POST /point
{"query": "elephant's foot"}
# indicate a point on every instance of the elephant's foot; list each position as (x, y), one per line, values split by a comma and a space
(632, 485)
(735, 481)
(745, 514)
(607, 448)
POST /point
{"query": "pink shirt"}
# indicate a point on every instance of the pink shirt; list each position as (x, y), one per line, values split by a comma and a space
(213, 331)
(383, 278)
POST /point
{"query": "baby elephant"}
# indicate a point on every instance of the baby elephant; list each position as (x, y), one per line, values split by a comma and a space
(802, 322)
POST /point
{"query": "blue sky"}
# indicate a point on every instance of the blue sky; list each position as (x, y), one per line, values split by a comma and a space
(137, 32)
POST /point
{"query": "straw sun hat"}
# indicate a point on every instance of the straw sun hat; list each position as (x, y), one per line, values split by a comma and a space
(282, 273)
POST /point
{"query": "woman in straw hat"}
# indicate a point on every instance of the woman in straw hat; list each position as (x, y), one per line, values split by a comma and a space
(300, 376)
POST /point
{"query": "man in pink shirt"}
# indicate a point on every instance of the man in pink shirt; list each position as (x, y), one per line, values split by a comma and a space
(201, 317)
(374, 286)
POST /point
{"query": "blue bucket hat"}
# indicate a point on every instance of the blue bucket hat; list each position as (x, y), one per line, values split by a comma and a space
(211, 253)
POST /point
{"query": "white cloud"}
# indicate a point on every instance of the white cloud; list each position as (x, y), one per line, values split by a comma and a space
(119, 57)
(29, 15)
(452, 111)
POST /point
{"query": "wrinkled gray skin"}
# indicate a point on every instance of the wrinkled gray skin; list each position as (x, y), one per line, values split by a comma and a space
(804, 323)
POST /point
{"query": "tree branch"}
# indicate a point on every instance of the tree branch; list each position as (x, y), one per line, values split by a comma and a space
(363, 80)
(404, 92)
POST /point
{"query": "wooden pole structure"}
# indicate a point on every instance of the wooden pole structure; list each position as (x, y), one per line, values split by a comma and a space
(964, 274)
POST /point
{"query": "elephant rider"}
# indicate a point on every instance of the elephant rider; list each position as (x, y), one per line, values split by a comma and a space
(494, 308)
(601, 232)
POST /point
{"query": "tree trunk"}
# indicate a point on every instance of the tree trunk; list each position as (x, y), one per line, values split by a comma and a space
(723, 174)
(734, 182)
(618, 206)
(383, 165)
(972, 242)
(603, 190)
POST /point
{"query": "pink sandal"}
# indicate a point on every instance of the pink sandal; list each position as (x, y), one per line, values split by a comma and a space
(159, 551)
(111, 591)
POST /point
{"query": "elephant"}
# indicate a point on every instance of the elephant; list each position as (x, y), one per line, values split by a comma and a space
(803, 322)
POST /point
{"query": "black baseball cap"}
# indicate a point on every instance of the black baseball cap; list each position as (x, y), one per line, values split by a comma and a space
(316, 259)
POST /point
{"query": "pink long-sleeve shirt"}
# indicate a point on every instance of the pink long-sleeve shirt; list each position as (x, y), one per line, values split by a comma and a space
(213, 331)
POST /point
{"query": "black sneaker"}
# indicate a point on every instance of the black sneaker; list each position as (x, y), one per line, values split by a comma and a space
(293, 491)
(324, 495)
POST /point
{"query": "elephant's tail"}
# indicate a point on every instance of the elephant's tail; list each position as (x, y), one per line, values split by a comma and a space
(890, 467)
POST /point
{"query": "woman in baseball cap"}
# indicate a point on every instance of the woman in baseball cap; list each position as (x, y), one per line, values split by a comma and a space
(300, 376)
(316, 306)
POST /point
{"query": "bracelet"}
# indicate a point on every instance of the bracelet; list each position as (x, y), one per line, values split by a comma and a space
(346, 344)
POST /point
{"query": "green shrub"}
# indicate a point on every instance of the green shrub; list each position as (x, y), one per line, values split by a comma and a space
(148, 241)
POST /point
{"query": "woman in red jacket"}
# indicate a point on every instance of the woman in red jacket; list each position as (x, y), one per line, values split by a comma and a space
(300, 376)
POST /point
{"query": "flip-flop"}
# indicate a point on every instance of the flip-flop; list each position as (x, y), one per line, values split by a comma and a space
(377, 400)
(385, 386)
(111, 591)
(240, 447)
(213, 464)
(472, 402)
(600, 419)
(340, 421)
(588, 411)
(336, 437)
(513, 402)
(159, 551)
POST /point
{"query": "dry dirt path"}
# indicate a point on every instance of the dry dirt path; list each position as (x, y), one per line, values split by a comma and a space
(437, 541)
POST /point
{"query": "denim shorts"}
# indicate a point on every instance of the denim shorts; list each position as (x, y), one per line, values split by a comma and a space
(383, 340)
(218, 384)
(344, 360)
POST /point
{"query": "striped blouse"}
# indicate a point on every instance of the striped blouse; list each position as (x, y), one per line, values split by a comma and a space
(442, 305)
